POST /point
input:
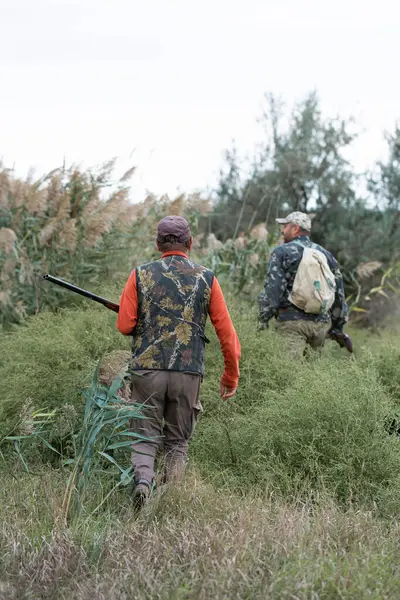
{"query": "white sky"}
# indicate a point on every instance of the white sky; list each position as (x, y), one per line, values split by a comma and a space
(175, 80)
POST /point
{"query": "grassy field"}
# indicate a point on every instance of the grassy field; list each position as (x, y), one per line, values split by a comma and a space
(292, 489)
(195, 542)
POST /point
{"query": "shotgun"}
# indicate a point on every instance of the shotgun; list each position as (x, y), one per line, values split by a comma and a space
(77, 290)
(342, 339)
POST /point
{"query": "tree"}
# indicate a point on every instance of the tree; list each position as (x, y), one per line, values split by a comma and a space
(301, 168)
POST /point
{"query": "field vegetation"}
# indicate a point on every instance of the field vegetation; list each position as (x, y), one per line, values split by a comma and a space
(292, 489)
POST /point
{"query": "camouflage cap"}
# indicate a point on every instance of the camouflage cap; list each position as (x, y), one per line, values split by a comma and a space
(173, 225)
(297, 218)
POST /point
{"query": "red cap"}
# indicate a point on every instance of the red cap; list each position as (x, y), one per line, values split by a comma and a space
(173, 225)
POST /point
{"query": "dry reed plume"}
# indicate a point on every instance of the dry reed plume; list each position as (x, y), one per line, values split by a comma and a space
(70, 224)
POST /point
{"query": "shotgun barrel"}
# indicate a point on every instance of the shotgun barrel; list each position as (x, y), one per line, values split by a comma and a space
(77, 290)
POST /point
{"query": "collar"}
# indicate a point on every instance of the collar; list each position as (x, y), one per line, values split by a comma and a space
(301, 238)
(174, 253)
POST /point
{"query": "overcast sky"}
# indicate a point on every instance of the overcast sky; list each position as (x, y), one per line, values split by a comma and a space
(166, 84)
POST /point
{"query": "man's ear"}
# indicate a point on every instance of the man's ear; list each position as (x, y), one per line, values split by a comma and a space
(190, 243)
(296, 230)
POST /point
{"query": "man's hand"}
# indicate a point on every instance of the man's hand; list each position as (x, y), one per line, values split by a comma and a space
(227, 392)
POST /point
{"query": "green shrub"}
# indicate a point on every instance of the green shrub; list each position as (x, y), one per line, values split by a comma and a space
(48, 361)
(387, 363)
(307, 428)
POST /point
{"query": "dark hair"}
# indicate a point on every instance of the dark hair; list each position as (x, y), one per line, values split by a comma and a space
(171, 242)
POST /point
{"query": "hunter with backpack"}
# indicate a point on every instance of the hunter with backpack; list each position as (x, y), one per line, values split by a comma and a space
(303, 289)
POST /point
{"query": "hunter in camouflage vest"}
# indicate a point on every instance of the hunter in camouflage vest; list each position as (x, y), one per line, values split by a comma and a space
(164, 307)
(300, 329)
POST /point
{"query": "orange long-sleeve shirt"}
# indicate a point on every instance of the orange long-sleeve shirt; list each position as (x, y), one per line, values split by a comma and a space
(219, 316)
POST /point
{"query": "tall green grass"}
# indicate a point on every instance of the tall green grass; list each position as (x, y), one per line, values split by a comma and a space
(48, 361)
(298, 429)
(305, 428)
(292, 489)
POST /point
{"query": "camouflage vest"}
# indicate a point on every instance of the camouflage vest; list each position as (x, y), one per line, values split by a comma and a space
(174, 296)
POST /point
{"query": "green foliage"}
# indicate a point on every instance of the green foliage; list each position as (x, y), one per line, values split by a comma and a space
(385, 359)
(103, 436)
(293, 427)
(301, 466)
(241, 268)
(385, 182)
(296, 473)
(98, 442)
(50, 359)
(31, 427)
(308, 157)
(304, 428)
(301, 167)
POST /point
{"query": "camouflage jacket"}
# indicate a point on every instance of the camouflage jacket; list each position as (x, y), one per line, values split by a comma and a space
(282, 268)
(173, 304)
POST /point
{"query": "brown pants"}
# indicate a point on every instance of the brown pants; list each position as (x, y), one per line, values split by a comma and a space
(300, 335)
(170, 401)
